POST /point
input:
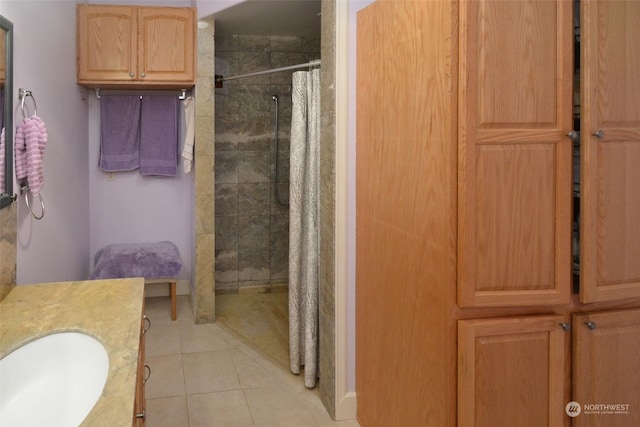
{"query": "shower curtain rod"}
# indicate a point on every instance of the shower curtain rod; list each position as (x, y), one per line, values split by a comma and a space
(220, 79)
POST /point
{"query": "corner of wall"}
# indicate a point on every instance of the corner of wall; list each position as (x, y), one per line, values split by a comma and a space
(203, 297)
(8, 249)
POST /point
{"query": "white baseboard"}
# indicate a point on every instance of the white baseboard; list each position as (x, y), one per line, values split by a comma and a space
(183, 287)
(346, 407)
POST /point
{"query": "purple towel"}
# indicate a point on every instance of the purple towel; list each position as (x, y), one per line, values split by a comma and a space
(119, 132)
(149, 260)
(159, 135)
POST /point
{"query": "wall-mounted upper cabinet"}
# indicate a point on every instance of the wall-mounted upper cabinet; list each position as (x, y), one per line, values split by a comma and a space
(128, 46)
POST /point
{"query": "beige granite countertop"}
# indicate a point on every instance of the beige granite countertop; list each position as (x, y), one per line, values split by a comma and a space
(108, 310)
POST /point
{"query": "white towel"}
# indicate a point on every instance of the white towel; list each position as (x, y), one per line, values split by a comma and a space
(189, 136)
(31, 140)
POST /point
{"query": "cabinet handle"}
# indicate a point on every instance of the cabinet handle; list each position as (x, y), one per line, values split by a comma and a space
(143, 75)
(148, 369)
(598, 134)
(574, 135)
(147, 325)
(141, 415)
(590, 325)
(565, 326)
(131, 74)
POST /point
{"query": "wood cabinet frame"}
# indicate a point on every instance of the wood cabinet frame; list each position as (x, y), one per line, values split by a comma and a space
(131, 46)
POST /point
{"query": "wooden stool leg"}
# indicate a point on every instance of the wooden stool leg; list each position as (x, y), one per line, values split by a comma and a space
(173, 300)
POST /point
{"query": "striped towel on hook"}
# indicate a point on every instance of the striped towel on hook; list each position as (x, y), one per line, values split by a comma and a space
(31, 140)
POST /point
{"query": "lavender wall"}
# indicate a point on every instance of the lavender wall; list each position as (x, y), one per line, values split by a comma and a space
(85, 209)
(126, 207)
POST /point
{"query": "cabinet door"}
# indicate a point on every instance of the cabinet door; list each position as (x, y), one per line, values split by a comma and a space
(107, 43)
(514, 156)
(606, 368)
(610, 186)
(512, 372)
(166, 43)
(139, 416)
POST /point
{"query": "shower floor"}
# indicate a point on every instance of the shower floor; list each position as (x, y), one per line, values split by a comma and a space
(261, 320)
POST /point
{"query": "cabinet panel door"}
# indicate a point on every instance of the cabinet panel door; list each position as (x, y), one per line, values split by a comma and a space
(405, 179)
(512, 372)
(606, 368)
(107, 43)
(514, 189)
(610, 188)
(166, 44)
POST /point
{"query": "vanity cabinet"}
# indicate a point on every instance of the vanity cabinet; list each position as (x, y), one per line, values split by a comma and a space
(130, 46)
(467, 313)
(139, 416)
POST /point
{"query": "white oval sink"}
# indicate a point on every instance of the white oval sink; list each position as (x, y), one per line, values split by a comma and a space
(52, 381)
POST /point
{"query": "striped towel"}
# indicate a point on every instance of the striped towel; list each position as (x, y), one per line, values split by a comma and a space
(31, 140)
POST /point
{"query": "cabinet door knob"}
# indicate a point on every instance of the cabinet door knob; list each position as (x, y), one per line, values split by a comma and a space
(565, 326)
(590, 325)
(574, 135)
(143, 75)
(131, 74)
(598, 134)
(141, 415)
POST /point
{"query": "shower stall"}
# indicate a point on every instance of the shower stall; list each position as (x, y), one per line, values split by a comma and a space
(253, 120)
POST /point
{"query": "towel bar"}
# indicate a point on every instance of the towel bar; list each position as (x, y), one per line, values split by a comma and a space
(181, 96)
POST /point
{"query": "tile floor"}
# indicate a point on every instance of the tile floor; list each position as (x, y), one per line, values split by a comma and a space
(259, 319)
(203, 376)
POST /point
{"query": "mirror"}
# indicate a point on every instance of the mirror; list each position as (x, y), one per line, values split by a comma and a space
(6, 113)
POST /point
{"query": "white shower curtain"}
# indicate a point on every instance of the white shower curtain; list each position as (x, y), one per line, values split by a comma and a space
(303, 225)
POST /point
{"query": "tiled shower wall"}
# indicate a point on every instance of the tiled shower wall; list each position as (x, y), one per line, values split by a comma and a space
(252, 228)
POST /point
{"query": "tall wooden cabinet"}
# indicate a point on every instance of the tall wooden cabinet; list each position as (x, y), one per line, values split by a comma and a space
(467, 313)
(127, 46)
